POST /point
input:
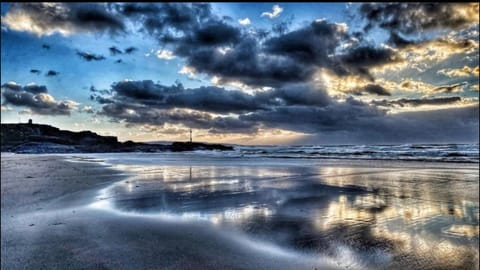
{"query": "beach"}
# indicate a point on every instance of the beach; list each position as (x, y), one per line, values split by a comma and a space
(207, 211)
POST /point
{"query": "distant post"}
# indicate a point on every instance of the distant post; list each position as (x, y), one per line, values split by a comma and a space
(190, 135)
(30, 122)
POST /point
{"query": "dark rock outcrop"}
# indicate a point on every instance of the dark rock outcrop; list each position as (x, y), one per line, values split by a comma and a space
(36, 138)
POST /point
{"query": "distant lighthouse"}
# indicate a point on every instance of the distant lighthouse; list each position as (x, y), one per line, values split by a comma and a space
(190, 135)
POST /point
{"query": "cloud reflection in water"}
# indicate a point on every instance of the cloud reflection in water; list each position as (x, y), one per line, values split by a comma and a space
(394, 218)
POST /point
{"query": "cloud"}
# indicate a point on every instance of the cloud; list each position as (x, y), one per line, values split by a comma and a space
(276, 10)
(209, 99)
(245, 21)
(138, 101)
(25, 112)
(246, 64)
(5, 108)
(359, 60)
(36, 99)
(189, 71)
(210, 45)
(165, 54)
(88, 109)
(466, 71)
(90, 56)
(311, 44)
(130, 50)
(31, 88)
(51, 73)
(460, 125)
(11, 85)
(282, 27)
(400, 42)
(295, 94)
(295, 107)
(35, 71)
(189, 118)
(449, 88)
(411, 18)
(290, 58)
(114, 50)
(347, 115)
(418, 102)
(64, 18)
(100, 91)
(157, 18)
(373, 89)
(437, 50)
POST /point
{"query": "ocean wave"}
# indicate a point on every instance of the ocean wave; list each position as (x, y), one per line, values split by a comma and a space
(407, 152)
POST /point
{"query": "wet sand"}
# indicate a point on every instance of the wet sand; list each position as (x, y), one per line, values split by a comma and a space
(48, 223)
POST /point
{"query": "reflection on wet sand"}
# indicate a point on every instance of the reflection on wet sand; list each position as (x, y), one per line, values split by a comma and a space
(417, 218)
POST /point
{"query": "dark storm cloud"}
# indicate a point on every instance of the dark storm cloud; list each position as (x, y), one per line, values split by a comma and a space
(35, 89)
(459, 125)
(289, 58)
(159, 18)
(193, 119)
(138, 9)
(346, 115)
(114, 50)
(294, 107)
(35, 71)
(144, 102)
(66, 17)
(213, 46)
(359, 60)
(130, 50)
(411, 18)
(199, 34)
(90, 56)
(417, 102)
(311, 44)
(204, 38)
(211, 99)
(245, 64)
(52, 73)
(35, 98)
(373, 89)
(296, 94)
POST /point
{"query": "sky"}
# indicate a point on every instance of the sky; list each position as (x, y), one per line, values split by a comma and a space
(245, 73)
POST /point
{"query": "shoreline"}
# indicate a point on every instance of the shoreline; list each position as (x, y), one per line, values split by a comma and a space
(273, 158)
(46, 223)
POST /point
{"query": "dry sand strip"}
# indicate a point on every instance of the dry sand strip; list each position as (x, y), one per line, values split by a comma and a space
(47, 224)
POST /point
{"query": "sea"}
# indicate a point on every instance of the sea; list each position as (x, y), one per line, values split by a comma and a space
(404, 152)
